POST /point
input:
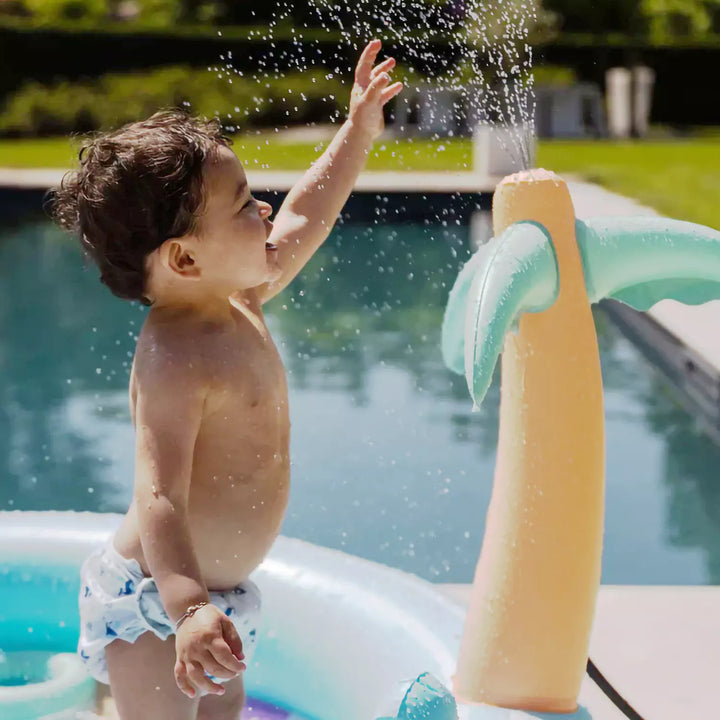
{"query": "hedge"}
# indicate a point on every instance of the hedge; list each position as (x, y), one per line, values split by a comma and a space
(114, 99)
(682, 94)
(43, 54)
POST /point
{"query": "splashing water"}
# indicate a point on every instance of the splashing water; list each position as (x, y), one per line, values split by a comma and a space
(503, 49)
(477, 49)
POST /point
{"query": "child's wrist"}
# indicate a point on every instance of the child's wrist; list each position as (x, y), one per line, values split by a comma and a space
(357, 132)
(189, 613)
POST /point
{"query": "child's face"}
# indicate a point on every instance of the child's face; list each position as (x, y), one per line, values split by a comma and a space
(233, 229)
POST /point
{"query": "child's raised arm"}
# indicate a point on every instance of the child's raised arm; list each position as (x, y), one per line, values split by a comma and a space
(172, 385)
(311, 208)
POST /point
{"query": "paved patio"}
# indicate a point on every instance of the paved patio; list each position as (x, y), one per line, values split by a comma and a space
(658, 646)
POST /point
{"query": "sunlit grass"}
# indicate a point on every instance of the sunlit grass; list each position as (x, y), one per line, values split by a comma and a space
(265, 151)
(37, 153)
(679, 178)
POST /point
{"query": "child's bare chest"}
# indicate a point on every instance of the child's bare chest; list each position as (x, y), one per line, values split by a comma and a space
(248, 380)
(247, 377)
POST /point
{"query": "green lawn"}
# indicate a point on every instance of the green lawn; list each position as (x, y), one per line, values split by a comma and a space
(45, 153)
(679, 178)
(264, 151)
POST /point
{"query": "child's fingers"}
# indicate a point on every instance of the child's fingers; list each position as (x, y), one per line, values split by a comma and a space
(390, 92)
(365, 63)
(231, 637)
(220, 650)
(384, 66)
(216, 669)
(201, 681)
(377, 86)
(182, 681)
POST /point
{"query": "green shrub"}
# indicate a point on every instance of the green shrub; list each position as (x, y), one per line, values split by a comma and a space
(305, 97)
(679, 18)
(41, 110)
(115, 99)
(130, 96)
(53, 10)
(554, 75)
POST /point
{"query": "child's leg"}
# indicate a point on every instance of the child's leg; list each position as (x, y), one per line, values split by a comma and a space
(224, 707)
(142, 680)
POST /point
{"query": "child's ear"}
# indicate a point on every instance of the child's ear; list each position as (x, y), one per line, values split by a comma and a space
(180, 259)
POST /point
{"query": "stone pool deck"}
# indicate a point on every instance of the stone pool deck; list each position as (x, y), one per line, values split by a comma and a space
(658, 646)
(42, 179)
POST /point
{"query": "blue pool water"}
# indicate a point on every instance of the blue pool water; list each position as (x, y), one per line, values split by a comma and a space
(389, 463)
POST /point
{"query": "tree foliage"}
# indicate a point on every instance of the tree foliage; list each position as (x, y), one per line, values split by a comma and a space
(65, 9)
(118, 98)
(671, 18)
(654, 18)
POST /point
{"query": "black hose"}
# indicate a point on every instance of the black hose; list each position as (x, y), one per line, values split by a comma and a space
(618, 700)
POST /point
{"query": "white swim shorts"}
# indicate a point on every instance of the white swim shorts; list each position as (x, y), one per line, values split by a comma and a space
(118, 601)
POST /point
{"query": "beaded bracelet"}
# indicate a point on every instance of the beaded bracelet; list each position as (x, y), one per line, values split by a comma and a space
(189, 613)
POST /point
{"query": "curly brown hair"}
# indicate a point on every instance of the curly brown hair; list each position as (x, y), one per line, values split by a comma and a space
(135, 188)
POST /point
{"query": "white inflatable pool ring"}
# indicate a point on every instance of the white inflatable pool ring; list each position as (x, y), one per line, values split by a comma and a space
(340, 634)
(55, 684)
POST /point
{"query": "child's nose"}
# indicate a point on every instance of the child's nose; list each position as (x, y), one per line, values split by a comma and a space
(265, 209)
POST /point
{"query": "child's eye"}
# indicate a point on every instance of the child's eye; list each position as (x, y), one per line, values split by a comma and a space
(251, 201)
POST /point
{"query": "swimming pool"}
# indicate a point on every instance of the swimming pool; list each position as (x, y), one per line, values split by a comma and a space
(389, 463)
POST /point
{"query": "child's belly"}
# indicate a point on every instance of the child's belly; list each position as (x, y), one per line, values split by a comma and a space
(238, 497)
(234, 528)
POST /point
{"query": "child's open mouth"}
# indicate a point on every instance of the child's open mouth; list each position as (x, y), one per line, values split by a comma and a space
(270, 247)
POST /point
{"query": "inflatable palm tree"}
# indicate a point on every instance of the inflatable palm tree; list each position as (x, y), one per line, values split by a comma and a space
(528, 294)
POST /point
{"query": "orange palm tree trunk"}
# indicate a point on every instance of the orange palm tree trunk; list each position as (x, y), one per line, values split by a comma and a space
(527, 632)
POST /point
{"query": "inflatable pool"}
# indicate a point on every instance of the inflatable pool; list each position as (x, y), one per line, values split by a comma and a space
(341, 636)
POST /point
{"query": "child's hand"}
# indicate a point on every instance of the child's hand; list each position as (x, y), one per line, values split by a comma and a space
(370, 91)
(207, 642)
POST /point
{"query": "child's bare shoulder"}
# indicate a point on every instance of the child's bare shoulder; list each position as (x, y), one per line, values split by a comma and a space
(173, 349)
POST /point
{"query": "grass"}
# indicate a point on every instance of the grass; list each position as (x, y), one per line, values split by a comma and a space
(679, 178)
(36, 153)
(263, 152)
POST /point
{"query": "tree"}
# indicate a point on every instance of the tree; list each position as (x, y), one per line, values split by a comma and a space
(591, 16)
(673, 18)
(656, 18)
(50, 10)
